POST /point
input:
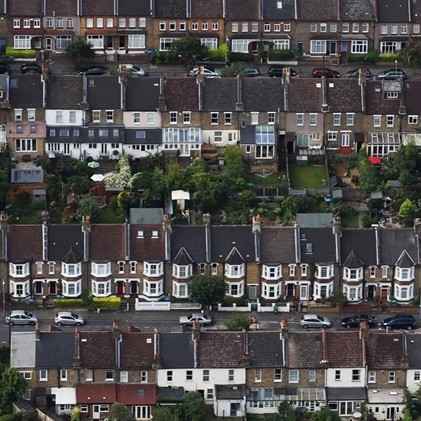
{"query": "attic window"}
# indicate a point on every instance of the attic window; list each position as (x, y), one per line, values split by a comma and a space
(154, 233)
(141, 393)
(140, 234)
(303, 237)
(91, 82)
(279, 4)
(140, 134)
(309, 248)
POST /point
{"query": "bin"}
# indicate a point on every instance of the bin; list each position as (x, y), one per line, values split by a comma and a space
(276, 309)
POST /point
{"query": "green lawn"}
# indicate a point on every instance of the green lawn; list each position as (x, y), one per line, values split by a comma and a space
(272, 180)
(311, 176)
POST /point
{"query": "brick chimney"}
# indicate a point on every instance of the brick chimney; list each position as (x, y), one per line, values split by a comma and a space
(166, 223)
(206, 218)
(256, 224)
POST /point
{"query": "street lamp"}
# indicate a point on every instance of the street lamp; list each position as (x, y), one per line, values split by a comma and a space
(396, 69)
(3, 296)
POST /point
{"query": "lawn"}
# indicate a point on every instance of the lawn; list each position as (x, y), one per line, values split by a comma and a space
(271, 180)
(311, 176)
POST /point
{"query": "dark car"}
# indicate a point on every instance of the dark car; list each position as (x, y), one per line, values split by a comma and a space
(278, 70)
(325, 72)
(356, 72)
(356, 319)
(251, 72)
(400, 321)
(30, 68)
(392, 74)
(4, 68)
(95, 70)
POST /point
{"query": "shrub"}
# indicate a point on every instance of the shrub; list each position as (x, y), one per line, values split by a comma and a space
(240, 57)
(164, 57)
(389, 57)
(107, 303)
(20, 53)
(69, 302)
(281, 55)
(370, 57)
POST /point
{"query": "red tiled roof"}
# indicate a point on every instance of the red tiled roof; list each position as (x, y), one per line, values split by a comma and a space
(107, 242)
(137, 350)
(136, 394)
(96, 393)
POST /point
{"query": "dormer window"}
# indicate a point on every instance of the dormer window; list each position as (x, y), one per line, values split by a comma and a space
(182, 271)
(234, 271)
(353, 274)
(272, 272)
(71, 269)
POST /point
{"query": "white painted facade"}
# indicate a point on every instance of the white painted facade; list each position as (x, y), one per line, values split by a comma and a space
(346, 377)
(413, 380)
(64, 117)
(65, 399)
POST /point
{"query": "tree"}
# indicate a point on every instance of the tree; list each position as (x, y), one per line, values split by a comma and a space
(189, 49)
(412, 53)
(207, 290)
(88, 206)
(235, 168)
(119, 412)
(407, 212)
(194, 406)
(79, 48)
(238, 322)
(165, 413)
(12, 386)
(325, 414)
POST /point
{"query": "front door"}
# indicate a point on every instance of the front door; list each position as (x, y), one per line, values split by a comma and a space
(233, 409)
(52, 288)
(290, 290)
(391, 413)
(133, 287)
(333, 47)
(120, 287)
(96, 413)
(48, 43)
(252, 292)
(371, 292)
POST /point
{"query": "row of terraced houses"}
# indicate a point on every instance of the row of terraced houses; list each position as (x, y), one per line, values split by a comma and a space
(263, 264)
(118, 27)
(237, 373)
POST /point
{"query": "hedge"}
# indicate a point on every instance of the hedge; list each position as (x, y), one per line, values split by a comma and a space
(106, 303)
(69, 302)
(10, 52)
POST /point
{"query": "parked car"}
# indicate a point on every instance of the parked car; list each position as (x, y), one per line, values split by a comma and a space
(20, 317)
(356, 319)
(276, 70)
(30, 68)
(392, 74)
(251, 72)
(314, 320)
(355, 73)
(133, 69)
(203, 319)
(4, 68)
(95, 70)
(400, 321)
(326, 72)
(206, 71)
(68, 318)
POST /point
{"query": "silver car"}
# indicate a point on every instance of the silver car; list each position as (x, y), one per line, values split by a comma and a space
(203, 319)
(20, 317)
(68, 318)
(314, 320)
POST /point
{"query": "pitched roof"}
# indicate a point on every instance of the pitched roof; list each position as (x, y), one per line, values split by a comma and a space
(137, 350)
(225, 237)
(134, 8)
(104, 93)
(64, 92)
(55, 349)
(272, 9)
(87, 393)
(411, 98)
(192, 238)
(97, 349)
(183, 343)
(317, 245)
(394, 241)
(265, 349)
(262, 94)
(24, 8)
(344, 95)
(170, 9)
(142, 93)
(222, 350)
(207, 9)
(181, 94)
(97, 7)
(62, 239)
(26, 91)
(107, 242)
(318, 10)
(242, 9)
(393, 11)
(305, 95)
(352, 261)
(219, 94)
(146, 247)
(362, 242)
(376, 100)
(298, 346)
(278, 245)
(136, 394)
(22, 349)
(61, 7)
(345, 349)
(18, 246)
(385, 350)
(356, 10)
(413, 344)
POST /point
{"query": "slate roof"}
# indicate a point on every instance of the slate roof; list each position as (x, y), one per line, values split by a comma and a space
(277, 245)
(134, 8)
(389, 11)
(376, 101)
(411, 95)
(318, 10)
(146, 248)
(219, 94)
(415, 12)
(24, 8)
(353, 262)
(61, 7)
(97, 7)
(225, 238)
(97, 349)
(182, 258)
(143, 136)
(393, 242)
(26, 91)
(63, 238)
(173, 9)
(107, 242)
(137, 350)
(356, 10)
(183, 343)
(305, 95)
(265, 349)
(55, 349)
(385, 350)
(270, 11)
(298, 346)
(344, 95)
(104, 93)
(323, 245)
(262, 94)
(207, 9)
(64, 92)
(181, 94)
(413, 343)
(18, 246)
(230, 392)
(362, 242)
(222, 350)
(243, 10)
(142, 93)
(192, 238)
(344, 349)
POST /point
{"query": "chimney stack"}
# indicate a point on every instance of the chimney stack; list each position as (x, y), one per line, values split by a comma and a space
(256, 224)
(206, 218)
